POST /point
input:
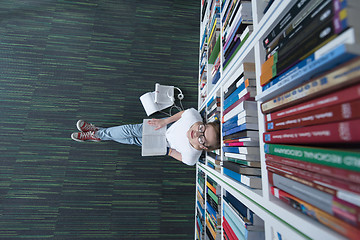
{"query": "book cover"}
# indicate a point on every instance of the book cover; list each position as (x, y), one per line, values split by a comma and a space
(349, 160)
(330, 133)
(334, 113)
(328, 220)
(342, 76)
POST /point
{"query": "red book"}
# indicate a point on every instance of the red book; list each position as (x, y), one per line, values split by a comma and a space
(342, 209)
(341, 132)
(328, 220)
(346, 95)
(335, 113)
(333, 172)
(229, 232)
(321, 182)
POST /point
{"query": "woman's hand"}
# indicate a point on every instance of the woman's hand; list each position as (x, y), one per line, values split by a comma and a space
(157, 123)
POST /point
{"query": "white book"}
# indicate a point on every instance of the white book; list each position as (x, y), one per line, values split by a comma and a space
(246, 157)
(249, 106)
(153, 141)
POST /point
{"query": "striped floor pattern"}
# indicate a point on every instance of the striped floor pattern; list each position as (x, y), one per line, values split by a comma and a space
(64, 60)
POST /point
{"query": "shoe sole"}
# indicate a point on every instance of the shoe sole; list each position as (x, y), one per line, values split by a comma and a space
(78, 140)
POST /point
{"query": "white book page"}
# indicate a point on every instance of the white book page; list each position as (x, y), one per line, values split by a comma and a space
(153, 141)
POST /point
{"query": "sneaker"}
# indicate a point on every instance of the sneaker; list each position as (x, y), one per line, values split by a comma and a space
(85, 127)
(85, 136)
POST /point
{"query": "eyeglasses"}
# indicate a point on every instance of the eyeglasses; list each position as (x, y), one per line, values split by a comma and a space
(201, 138)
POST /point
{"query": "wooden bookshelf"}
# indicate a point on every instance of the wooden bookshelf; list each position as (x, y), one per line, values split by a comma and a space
(279, 218)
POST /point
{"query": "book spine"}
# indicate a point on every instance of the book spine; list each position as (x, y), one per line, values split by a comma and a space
(306, 68)
(328, 220)
(295, 9)
(341, 96)
(348, 212)
(247, 96)
(308, 194)
(342, 132)
(229, 232)
(335, 113)
(348, 160)
(342, 174)
(342, 76)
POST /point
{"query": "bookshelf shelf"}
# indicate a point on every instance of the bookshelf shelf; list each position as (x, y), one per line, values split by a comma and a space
(280, 219)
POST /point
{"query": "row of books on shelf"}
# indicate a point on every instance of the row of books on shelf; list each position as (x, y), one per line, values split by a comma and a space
(240, 128)
(239, 222)
(312, 126)
(236, 27)
(225, 215)
(313, 37)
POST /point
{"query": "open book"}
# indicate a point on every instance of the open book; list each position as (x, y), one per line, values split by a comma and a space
(161, 98)
(153, 141)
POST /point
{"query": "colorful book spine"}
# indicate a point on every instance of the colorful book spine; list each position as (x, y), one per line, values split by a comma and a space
(242, 127)
(341, 96)
(316, 63)
(350, 212)
(349, 160)
(342, 76)
(237, 94)
(342, 132)
(243, 150)
(334, 113)
(250, 181)
(342, 174)
(229, 232)
(327, 219)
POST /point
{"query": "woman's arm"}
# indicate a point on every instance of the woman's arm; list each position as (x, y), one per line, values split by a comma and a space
(175, 154)
(159, 123)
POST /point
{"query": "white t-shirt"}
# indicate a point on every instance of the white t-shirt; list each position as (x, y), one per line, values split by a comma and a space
(177, 139)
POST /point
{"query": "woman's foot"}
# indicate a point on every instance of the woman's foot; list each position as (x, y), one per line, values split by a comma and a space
(83, 126)
(85, 136)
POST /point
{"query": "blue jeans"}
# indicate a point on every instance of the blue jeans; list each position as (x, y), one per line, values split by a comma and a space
(126, 134)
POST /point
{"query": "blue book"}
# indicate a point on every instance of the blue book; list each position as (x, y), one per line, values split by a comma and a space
(241, 225)
(199, 223)
(216, 77)
(242, 127)
(239, 206)
(202, 211)
(306, 68)
(234, 96)
(230, 125)
(211, 211)
(231, 37)
(242, 150)
(250, 181)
